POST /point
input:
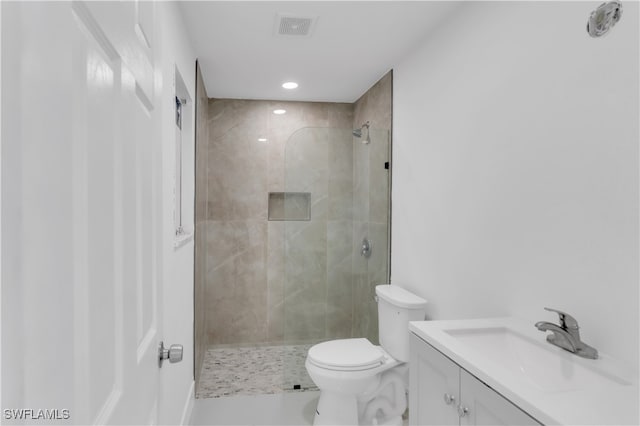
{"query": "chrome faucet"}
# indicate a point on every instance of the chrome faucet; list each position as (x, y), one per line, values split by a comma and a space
(567, 335)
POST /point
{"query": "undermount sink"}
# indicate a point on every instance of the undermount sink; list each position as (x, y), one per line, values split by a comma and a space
(547, 368)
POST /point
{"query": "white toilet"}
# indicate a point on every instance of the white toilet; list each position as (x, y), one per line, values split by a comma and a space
(363, 384)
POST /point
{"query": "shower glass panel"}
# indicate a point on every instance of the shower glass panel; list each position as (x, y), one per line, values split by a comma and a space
(327, 284)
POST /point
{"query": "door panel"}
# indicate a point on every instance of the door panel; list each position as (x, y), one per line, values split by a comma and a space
(115, 216)
(128, 26)
(85, 207)
(95, 167)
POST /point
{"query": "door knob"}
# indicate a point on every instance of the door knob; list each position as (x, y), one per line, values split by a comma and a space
(173, 354)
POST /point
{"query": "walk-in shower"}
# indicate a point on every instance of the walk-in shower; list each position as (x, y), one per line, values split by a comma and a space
(288, 204)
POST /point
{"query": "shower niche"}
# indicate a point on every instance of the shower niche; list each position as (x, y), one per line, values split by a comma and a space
(289, 206)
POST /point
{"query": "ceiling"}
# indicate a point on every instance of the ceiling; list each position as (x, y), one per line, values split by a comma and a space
(352, 45)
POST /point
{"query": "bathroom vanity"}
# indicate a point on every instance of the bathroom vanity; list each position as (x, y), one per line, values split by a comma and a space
(502, 371)
(442, 393)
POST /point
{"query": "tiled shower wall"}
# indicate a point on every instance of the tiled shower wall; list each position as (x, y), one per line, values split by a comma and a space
(202, 141)
(314, 259)
(371, 186)
(246, 302)
(264, 282)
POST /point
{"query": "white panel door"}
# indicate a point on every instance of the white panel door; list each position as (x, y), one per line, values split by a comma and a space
(81, 204)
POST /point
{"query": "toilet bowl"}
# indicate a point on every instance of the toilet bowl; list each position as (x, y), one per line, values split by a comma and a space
(361, 383)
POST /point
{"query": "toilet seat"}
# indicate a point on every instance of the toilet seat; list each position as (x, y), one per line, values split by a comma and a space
(346, 355)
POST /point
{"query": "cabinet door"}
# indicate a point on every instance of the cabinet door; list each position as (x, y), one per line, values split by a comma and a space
(487, 407)
(432, 375)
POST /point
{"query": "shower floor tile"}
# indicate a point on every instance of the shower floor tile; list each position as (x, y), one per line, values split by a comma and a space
(254, 371)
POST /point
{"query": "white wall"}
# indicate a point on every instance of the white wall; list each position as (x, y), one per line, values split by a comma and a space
(0, 197)
(177, 379)
(515, 181)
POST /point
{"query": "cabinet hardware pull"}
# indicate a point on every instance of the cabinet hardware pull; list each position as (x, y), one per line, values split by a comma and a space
(449, 399)
(462, 411)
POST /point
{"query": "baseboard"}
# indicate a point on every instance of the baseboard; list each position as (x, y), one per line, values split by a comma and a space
(188, 405)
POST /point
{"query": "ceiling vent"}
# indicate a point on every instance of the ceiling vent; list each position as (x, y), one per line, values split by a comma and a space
(294, 26)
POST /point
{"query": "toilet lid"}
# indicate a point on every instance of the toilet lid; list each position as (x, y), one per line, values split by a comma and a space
(346, 354)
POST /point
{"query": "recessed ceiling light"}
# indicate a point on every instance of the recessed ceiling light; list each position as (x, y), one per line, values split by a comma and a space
(279, 111)
(290, 85)
(262, 139)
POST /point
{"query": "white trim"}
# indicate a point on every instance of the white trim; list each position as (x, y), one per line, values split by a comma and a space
(148, 339)
(1, 197)
(109, 407)
(188, 406)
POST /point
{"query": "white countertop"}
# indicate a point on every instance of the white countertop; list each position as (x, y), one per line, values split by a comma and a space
(606, 403)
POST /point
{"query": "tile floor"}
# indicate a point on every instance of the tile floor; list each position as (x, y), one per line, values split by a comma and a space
(292, 408)
(254, 370)
(254, 386)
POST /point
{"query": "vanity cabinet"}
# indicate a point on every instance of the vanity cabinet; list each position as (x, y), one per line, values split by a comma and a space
(443, 393)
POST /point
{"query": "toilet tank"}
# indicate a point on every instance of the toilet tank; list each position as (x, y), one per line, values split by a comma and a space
(396, 307)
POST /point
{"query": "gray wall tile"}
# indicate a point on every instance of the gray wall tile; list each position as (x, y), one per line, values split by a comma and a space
(290, 281)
